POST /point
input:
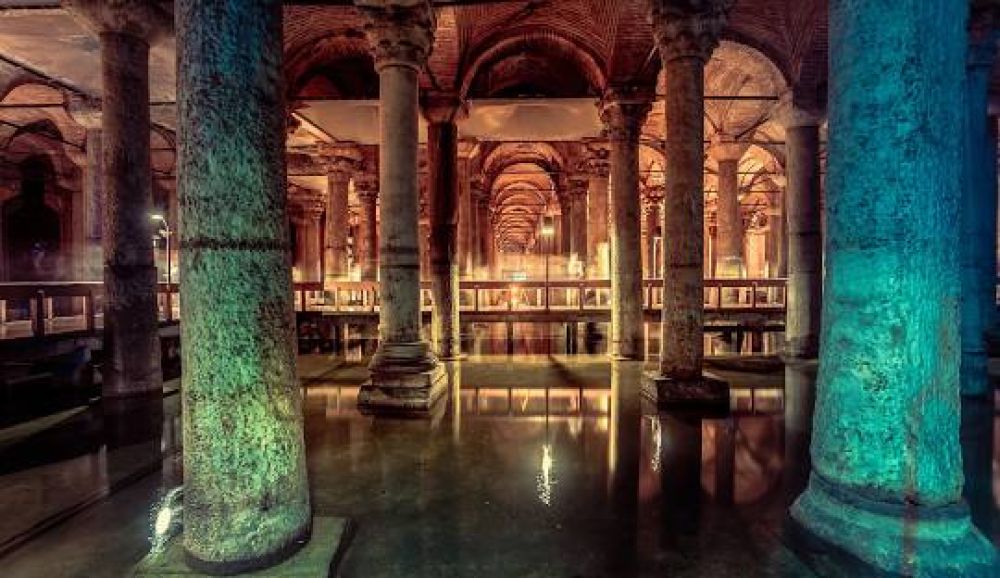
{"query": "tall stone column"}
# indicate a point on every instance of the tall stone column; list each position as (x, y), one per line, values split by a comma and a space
(405, 375)
(979, 204)
(484, 229)
(442, 159)
(131, 326)
(686, 35)
(623, 116)
(651, 214)
(312, 245)
(367, 249)
(886, 482)
(729, 262)
(246, 495)
(578, 208)
(341, 163)
(598, 243)
(805, 245)
(87, 113)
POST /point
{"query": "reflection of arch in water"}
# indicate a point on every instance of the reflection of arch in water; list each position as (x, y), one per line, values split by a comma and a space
(32, 229)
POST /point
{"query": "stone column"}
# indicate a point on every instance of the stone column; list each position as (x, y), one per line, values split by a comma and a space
(246, 495)
(979, 205)
(131, 326)
(805, 245)
(87, 113)
(578, 208)
(312, 245)
(886, 483)
(651, 213)
(599, 169)
(367, 189)
(729, 262)
(341, 162)
(443, 188)
(405, 375)
(484, 229)
(686, 35)
(623, 116)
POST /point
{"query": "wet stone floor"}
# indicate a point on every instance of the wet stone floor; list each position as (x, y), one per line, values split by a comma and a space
(544, 466)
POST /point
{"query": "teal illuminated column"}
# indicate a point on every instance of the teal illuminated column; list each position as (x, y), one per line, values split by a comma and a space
(979, 203)
(405, 374)
(131, 330)
(623, 116)
(805, 244)
(246, 495)
(686, 33)
(886, 482)
(442, 159)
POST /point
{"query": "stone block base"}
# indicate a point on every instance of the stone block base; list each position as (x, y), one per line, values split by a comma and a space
(706, 392)
(908, 540)
(318, 558)
(404, 394)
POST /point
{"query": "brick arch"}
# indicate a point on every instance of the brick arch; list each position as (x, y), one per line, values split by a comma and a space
(324, 54)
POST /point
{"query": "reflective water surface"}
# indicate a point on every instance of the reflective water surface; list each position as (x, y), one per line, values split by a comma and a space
(537, 466)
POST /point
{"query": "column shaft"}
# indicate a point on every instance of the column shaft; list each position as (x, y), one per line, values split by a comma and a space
(886, 467)
(597, 223)
(246, 497)
(652, 214)
(805, 246)
(368, 237)
(131, 332)
(729, 225)
(311, 239)
(442, 156)
(335, 239)
(93, 190)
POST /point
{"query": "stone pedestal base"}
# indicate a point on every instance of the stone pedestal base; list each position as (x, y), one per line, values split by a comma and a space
(407, 394)
(706, 392)
(318, 558)
(907, 540)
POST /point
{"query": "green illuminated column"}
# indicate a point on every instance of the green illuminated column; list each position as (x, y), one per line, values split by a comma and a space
(979, 203)
(686, 34)
(246, 496)
(131, 330)
(623, 117)
(886, 482)
(405, 374)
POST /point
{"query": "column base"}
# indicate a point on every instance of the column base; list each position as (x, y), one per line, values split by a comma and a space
(909, 540)
(406, 380)
(705, 392)
(318, 557)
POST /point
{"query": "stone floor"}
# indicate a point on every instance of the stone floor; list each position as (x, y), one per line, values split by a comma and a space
(539, 466)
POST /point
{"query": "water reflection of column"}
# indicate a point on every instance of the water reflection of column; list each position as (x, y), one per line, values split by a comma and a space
(977, 461)
(680, 476)
(800, 396)
(725, 460)
(624, 448)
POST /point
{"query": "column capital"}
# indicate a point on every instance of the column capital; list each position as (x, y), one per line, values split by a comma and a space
(578, 186)
(688, 28)
(401, 32)
(623, 112)
(727, 148)
(366, 187)
(147, 21)
(312, 212)
(652, 195)
(339, 159)
(597, 158)
(84, 110)
(443, 108)
(792, 113)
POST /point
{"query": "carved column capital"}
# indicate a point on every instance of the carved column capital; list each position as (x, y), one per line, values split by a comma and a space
(339, 159)
(366, 186)
(624, 113)
(401, 32)
(688, 28)
(597, 159)
(148, 21)
(84, 110)
(726, 148)
(578, 186)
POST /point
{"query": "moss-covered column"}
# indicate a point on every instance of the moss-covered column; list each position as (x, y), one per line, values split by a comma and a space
(442, 159)
(623, 115)
(131, 329)
(367, 241)
(405, 375)
(886, 483)
(686, 33)
(246, 496)
(979, 203)
(805, 244)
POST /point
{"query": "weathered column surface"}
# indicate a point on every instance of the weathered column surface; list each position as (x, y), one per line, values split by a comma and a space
(805, 245)
(598, 245)
(367, 241)
(729, 225)
(131, 332)
(246, 496)
(340, 162)
(623, 117)
(979, 204)
(886, 483)
(405, 375)
(686, 37)
(442, 158)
